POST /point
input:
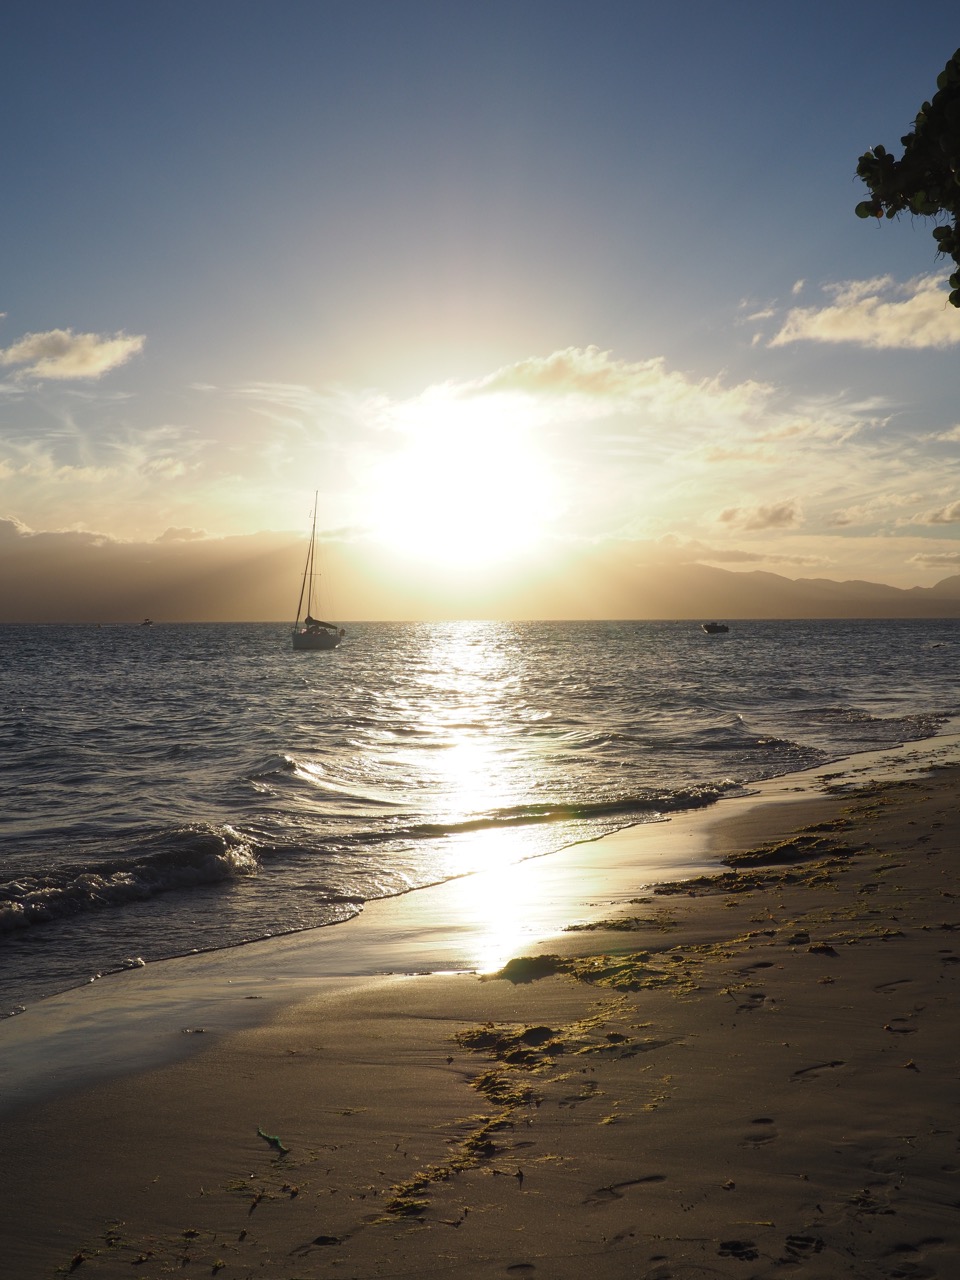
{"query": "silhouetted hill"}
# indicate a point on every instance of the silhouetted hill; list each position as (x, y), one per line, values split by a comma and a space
(702, 591)
(70, 576)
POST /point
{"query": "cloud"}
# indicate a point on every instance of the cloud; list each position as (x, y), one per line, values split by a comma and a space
(168, 467)
(936, 559)
(692, 551)
(720, 453)
(181, 535)
(778, 515)
(15, 531)
(677, 550)
(944, 515)
(872, 511)
(578, 370)
(63, 354)
(878, 314)
(589, 373)
(11, 529)
(37, 465)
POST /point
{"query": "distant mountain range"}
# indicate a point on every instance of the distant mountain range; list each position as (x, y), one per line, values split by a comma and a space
(71, 577)
(722, 593)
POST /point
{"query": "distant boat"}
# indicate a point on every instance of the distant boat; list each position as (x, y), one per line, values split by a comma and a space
(313, 633)
(147, 622)
(714, 628)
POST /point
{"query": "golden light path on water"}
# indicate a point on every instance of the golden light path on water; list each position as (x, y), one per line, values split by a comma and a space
(470, 670)
(502, 909)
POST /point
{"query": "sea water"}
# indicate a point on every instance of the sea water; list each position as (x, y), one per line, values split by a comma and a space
(180, 788)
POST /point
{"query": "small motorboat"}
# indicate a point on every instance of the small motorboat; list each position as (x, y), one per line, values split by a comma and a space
(714, 628)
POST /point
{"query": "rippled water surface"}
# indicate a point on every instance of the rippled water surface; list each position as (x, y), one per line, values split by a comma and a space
(171, 788)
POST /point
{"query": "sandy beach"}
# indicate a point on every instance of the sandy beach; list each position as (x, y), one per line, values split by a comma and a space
(750, 1073)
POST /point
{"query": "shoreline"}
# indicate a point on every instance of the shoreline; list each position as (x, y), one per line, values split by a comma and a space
(758, 1068)
(725, 1079)
(134, 1020)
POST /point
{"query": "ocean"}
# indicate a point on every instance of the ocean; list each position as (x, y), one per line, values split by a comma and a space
(181, 788)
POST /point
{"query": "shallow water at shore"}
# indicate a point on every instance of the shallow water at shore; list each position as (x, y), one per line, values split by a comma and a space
(184, 788)
(169, 1010)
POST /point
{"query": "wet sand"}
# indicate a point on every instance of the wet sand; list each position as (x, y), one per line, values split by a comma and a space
(750, 1073)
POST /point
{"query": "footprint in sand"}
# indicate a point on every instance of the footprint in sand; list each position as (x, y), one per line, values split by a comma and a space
(587, 1090)
(915, 1270)
(765, 1131)
(892, 986)
(802, 1246)
(900, 1026)
(751, 1000)
(745, 1250)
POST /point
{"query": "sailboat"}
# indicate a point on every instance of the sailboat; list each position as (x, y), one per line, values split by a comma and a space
(313, 633)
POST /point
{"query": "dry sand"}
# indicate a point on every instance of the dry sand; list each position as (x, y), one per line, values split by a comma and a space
(748, 1076)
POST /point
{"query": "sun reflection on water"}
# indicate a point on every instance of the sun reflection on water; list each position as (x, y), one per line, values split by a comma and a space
(502, 912)
(469, 676)
(466, 679)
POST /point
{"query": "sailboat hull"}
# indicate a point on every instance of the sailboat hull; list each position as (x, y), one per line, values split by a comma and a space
(315, 639)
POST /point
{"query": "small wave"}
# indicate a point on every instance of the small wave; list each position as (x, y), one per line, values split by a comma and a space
(624, 807)
(582, 740)
(188, 857)
(867, 728)
(274, 767)
(288, 772)
(40, 761)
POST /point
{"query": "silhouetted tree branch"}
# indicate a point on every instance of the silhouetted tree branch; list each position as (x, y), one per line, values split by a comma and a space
(926, 179)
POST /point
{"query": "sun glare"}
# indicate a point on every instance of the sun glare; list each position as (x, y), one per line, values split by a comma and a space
(465, 487)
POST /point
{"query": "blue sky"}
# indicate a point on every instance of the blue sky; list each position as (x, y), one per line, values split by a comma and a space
(501, 280)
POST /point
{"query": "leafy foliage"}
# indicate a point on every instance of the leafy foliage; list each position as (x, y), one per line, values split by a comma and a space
(926, 179)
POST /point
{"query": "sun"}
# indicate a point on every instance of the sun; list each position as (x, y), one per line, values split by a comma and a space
(464, 484)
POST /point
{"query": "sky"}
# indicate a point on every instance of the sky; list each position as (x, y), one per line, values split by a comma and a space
(538, 296)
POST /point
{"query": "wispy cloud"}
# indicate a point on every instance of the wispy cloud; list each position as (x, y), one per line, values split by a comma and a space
(63, 354)
(950, 436)
(936, 559)
(777, 515)
(693, 551)
(876, 509)
(949, 514)
(587, 373)
(879, 314)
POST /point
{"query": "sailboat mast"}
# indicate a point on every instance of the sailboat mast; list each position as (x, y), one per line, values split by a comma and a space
(306, 587)
(313, 550)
